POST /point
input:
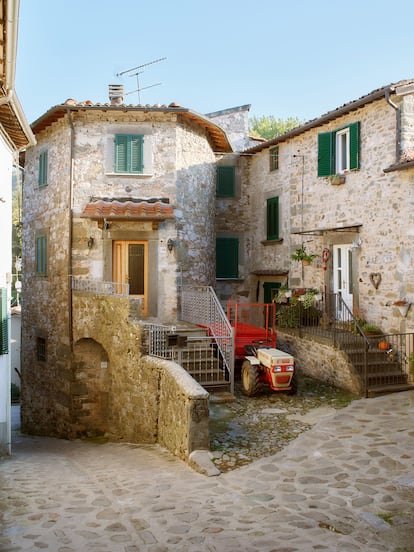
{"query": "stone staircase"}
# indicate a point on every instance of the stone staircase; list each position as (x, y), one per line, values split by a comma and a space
(385, 372)
(198, 355)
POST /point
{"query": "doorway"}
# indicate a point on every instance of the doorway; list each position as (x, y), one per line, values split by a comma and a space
(130, 266)
(342, 273)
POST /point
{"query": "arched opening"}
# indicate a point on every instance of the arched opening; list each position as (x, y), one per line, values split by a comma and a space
(90, 390)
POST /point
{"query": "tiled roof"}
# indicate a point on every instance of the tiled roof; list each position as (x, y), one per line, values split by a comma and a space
(218, 136)
(127, 210)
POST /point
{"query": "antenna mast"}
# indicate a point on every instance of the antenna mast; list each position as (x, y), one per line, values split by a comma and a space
(137, 76)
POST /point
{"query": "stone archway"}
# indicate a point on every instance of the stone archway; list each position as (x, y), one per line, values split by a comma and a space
(90, 389)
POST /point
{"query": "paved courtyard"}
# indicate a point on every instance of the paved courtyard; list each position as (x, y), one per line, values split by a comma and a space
(346, 484)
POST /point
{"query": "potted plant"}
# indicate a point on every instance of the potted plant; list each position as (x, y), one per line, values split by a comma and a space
(371, 329)
(301, 255)
(411, 363)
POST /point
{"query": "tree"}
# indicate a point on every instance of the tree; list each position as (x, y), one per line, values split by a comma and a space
(268, 127)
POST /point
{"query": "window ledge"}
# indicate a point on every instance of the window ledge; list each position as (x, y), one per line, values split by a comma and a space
(130, 175)
(271, 242)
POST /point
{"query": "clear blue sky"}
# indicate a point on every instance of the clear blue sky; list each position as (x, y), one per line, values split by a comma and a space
(286, 58)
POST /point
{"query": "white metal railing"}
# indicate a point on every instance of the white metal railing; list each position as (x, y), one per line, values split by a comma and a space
(200, 305)
(98, 286)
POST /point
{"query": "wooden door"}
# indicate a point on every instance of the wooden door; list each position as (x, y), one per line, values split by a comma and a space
(130, 266)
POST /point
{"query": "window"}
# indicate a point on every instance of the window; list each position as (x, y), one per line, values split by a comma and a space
(41, 349)
(4, 334)
(42, 169)
(129, 153)
(274, 158)
(338, 151)
(41, 255)
(272, 219)
(227, 258)
(225, 186)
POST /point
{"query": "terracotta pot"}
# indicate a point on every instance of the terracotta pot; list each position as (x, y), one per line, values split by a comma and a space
(384, 346)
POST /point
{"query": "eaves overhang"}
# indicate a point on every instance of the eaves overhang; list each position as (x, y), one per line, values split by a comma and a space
(127, 210)
(320, 231)
(219, 140)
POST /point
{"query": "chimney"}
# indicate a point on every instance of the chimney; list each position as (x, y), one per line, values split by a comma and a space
(116, 94)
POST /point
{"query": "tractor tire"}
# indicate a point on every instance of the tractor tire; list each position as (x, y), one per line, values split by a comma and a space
(250, 378)
(294, 385)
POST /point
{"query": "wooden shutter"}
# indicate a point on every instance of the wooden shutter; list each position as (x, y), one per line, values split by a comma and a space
(4, 334)
(227, 257)
(225, 181)
(272, 219)
(270, 290)
(41, 262)
(42, 180)
(325, 154)
(354, 130)
(129, 153)
(121, 152)
(137, 150)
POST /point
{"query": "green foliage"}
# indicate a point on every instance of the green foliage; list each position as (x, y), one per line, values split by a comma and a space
(268, 127)
(302, 255)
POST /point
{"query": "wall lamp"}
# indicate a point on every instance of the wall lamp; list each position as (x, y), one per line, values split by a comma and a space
(90, 242)
(170, 245)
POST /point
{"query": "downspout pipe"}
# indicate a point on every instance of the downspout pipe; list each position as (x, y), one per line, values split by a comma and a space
(398, 129)
(70, 236)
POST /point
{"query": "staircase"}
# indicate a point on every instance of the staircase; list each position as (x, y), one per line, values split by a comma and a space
(382, 370)
(191, 347)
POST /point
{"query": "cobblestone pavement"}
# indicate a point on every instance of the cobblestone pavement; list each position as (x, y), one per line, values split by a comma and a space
(346, 484)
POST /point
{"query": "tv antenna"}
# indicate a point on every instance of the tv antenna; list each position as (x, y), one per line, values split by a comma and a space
(137, 74)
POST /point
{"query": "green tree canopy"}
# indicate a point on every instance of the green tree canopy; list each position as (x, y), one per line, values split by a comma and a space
(268, 127)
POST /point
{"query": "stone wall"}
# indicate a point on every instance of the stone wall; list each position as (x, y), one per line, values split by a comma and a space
(321, 361)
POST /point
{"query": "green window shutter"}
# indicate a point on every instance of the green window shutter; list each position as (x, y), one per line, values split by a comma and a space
(43, 165)
(325, 154)
(41, 251)
(137, 154)
(272, 219)
(354, 130)
(227, 258)
(129, 153)
(225, 181)
(4, 334)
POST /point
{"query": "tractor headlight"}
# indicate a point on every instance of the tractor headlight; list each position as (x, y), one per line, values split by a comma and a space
(289, 368)
(277, 368)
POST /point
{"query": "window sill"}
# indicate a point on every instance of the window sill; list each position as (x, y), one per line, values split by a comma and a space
(272, 242)
(130, 175)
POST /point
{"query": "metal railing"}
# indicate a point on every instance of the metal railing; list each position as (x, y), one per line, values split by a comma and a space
(200, 306)
(99, 287)
(380, 360)
(198, 355)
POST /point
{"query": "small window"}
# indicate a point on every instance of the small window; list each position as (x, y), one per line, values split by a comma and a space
(129, 153)
(274, 158)
(4, 333)
(41, 255)
(41, 349)
(227, 258)
(338, 151)
(225, 186)
(43, 166)
(272, 219)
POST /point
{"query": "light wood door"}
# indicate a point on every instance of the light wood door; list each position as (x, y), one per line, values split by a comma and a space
(130, 266)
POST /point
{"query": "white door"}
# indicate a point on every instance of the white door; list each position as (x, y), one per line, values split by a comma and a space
(342, 267)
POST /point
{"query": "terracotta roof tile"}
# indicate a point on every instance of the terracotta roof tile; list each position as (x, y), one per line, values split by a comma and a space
(128, 210)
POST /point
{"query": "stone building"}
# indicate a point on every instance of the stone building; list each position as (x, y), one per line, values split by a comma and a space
(119, 213)
(342, 182)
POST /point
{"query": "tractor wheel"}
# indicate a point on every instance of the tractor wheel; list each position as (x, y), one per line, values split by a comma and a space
(294, 385)
(250, 378)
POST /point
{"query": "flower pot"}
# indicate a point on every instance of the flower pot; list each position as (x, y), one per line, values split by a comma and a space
(305, 262)
(288, 294)
(384, 345)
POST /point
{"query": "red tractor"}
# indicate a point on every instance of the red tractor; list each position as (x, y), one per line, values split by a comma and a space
(255, 345)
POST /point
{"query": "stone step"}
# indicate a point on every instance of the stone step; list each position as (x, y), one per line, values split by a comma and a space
(378, 390)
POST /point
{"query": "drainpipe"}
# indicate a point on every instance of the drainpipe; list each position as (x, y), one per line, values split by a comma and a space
(398, 130)
(70, 236)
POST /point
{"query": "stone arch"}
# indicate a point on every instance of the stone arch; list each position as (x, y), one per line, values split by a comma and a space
(90, 390)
